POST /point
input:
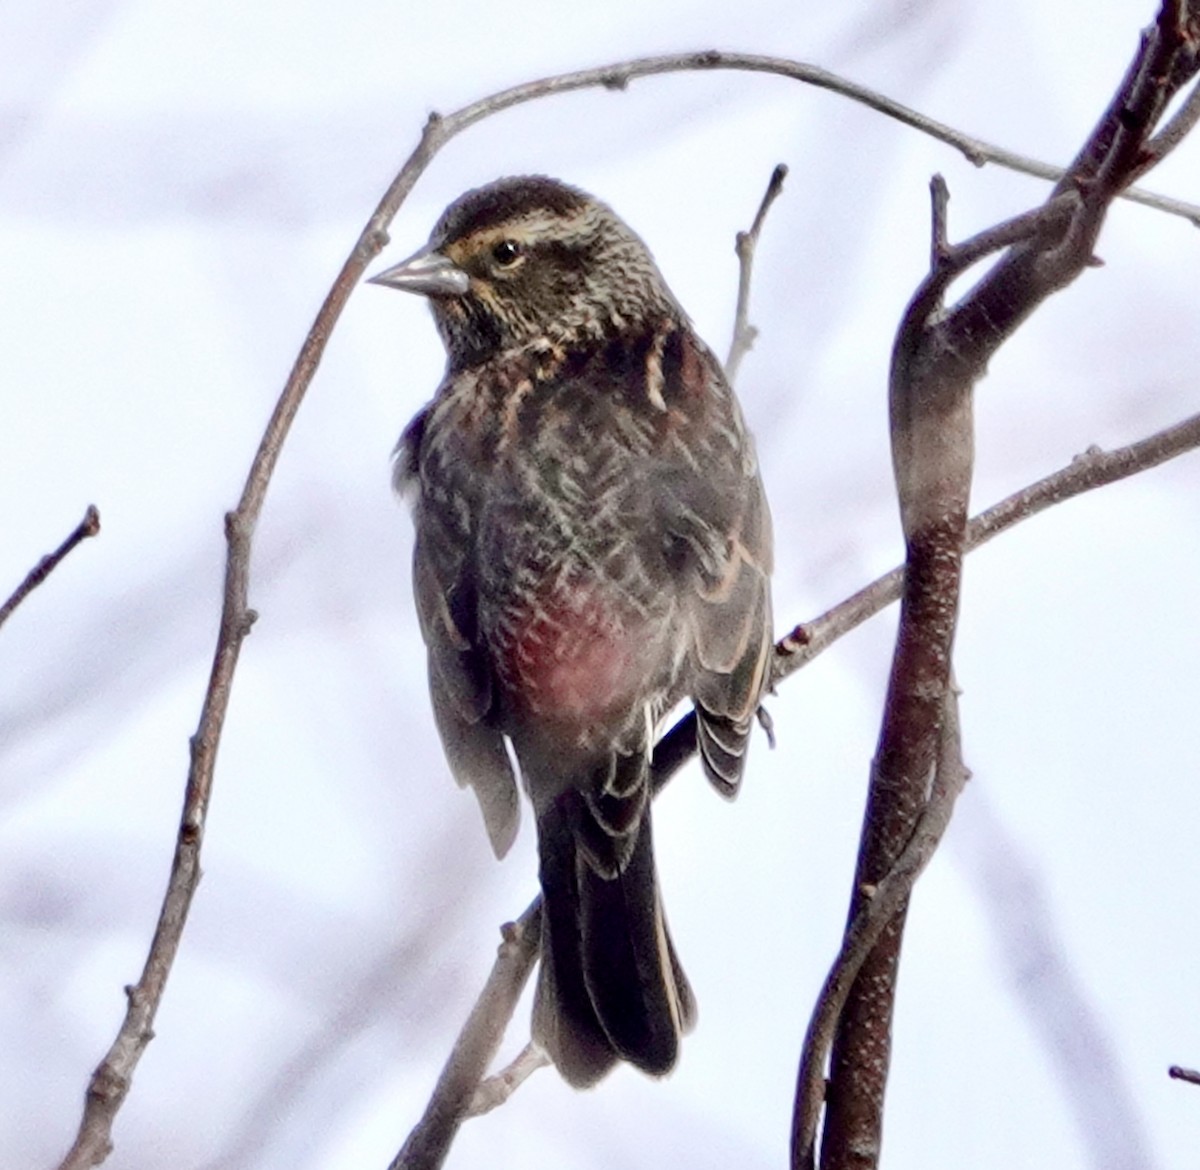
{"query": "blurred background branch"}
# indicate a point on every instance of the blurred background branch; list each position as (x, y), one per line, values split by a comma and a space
(88, 526)
(133, 171)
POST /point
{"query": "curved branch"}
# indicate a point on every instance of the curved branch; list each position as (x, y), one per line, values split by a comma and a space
(747, 244)
(618, 76)
(938, 356)
(110, 1082)
(476, 1046)
(496, 1089)
(933, 447)
(879, 906)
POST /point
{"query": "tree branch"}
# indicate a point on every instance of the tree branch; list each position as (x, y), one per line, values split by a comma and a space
(878, 907)
(476, 1046)
(747, 243)
(496, 1089)
(110, 1082)
(1173, 133)
(1093, 469)
(933, 457)
(88, 526)
(938, 356)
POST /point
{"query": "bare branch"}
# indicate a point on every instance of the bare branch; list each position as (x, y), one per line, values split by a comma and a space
(933, 456)
(618, 76)
(747, 242)
(1093, 469)
(110, 1081)
(88, 526)
(496, 1089)
(1178, 1073)
(1174, 132)
(938, 356)
(879, 905)
(476, 1046)
(947, 263)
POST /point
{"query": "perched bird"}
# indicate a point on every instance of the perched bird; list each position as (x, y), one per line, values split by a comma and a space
(592, 546)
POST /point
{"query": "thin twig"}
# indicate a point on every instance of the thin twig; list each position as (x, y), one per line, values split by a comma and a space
(1174, 132)
(88, 526)
(974, 150)
(1179, 1073)
(747, 242)
(476, 1046)
(493, 1091)
(110, 1082)
(947, 263)
(1093, 469)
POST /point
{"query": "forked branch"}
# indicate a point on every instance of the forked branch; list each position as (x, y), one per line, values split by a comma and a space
(747, 244)
(938, 356)
(111, 1080)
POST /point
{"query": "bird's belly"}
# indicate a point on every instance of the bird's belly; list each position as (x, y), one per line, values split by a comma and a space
(572, 653)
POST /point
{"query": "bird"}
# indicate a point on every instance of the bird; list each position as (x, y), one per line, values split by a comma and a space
(592, 547)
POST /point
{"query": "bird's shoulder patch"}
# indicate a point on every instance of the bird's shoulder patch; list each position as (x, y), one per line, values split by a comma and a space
(688, 369)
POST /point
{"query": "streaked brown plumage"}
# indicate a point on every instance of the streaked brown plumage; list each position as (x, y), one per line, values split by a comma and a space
(593, 545)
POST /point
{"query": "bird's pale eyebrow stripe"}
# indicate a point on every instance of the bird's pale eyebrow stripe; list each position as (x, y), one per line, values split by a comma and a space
(535, 225)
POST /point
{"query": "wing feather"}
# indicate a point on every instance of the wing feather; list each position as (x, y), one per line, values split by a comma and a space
(719, 539)
(461, 685)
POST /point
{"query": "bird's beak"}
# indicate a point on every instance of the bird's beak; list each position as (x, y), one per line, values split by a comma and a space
(427, 272)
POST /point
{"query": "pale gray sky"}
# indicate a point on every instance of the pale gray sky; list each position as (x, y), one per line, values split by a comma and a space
(178, 186)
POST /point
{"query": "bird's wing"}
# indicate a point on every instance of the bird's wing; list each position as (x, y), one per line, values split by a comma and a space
(460, 677)
(732, 644)
(718, 531)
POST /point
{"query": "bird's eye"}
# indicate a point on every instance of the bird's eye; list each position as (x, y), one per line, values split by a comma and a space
(506, 253)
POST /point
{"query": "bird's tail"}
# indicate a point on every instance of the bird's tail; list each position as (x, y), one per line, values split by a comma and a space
(610, 986)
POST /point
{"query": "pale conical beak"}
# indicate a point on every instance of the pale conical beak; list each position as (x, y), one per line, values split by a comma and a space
(427, 272)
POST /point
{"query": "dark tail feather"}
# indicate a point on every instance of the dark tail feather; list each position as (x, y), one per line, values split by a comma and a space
(610, 985)
(565, 1023)
(632, 973)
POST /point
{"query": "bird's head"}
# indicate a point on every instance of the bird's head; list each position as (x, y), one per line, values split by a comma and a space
(527, 262)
